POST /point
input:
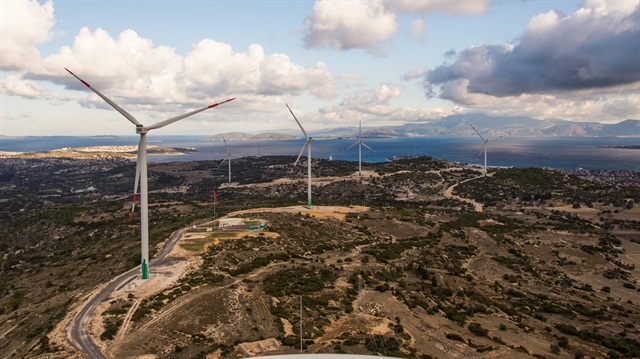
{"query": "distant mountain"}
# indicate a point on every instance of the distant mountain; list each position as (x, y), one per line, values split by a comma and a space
(490, 126)
(624, 128)
(242, 136)
(274, 136)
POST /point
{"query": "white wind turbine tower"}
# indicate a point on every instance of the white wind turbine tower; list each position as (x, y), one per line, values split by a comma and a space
(308, 146)
(360, 144)
(485, 141)
(228, 158)
(141, 167)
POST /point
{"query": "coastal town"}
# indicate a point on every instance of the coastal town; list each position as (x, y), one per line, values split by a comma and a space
(96, 152)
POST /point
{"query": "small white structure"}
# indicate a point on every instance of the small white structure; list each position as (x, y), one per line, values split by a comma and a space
(228, 222)
(130, 287)
(258, 348)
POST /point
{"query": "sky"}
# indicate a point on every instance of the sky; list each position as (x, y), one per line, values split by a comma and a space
(334, 62)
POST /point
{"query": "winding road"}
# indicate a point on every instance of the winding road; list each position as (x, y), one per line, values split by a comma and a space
(78, 332)
(449, 194)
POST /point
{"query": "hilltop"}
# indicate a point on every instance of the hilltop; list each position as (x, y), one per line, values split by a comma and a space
(546, 269)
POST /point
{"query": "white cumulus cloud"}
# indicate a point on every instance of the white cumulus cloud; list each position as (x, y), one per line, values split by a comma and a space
(15, 85)
(373, 107)
(23, 25)
(344, 25)
(370, 24)
(466, 7)
(132, 69)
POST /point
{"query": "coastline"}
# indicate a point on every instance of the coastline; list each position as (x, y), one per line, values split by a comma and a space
(94, 152)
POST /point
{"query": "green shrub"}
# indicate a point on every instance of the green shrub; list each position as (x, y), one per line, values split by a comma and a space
(477, 329)
(453, 336)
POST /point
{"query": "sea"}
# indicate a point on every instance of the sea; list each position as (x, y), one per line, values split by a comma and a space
(567, 153)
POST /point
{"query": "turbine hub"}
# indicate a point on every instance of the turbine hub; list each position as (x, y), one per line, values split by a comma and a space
(140, 129)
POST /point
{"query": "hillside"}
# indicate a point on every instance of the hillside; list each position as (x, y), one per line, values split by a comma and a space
(547, 269)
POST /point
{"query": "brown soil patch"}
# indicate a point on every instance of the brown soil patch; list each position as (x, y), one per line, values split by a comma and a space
(337, 212)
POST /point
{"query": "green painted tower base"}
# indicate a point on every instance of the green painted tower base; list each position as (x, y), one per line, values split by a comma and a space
(309, 203)
(145, 270)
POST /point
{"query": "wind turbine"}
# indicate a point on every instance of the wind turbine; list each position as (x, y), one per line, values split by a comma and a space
(360, 144)
(228, 158)
(308, 146)
(141, 167)
(485, 141)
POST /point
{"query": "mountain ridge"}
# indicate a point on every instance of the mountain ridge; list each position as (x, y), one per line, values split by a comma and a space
(491, 126)
(455, 125)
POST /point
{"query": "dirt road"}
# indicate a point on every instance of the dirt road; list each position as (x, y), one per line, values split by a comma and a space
(78, 332)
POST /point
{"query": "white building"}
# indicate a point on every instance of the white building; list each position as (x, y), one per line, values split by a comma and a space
(228, 222)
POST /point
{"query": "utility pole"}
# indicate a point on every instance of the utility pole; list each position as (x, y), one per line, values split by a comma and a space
(360, 298)
(215, 199)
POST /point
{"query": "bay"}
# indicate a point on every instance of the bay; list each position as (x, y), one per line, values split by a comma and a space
(569, 153)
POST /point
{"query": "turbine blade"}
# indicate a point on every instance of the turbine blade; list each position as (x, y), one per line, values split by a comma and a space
(223, 161)
(136, 184)
(295, 118)
(484, 145)
(324, 138)
(360, 130)
(225, 146)
(178, 118)
(352, 145)
(477, 132)
(113, 104)
(298, 159)
(368, 147)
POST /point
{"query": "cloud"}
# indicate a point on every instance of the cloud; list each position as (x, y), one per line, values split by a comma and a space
(369, 24)
(596, 47)
(417, 30)
(16, 86)
(132, 70)
(467, 7)
(372, 106)
(603, 105)
(345, 25)
(23, 24)
(373, 101)
(214, 66)
(414, 74)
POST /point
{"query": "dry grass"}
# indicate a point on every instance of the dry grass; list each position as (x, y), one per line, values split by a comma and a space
(198, 243)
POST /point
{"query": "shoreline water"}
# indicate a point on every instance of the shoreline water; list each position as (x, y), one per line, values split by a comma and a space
(565, 153)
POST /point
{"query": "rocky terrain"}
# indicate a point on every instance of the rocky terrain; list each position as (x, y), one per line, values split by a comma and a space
(417, 258)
